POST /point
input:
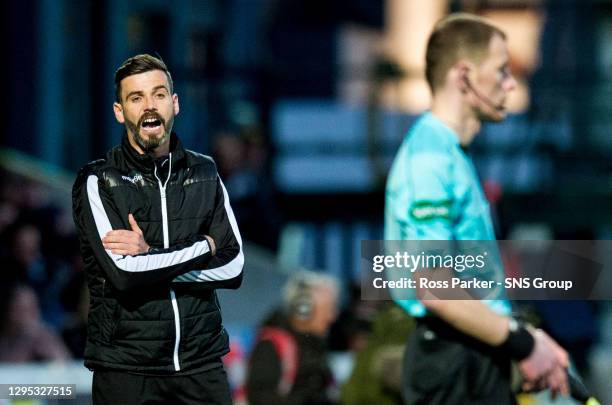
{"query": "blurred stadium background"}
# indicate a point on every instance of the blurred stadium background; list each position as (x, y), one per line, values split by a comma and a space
(303, 104)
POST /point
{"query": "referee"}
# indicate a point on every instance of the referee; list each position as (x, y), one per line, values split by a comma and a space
(461, 351)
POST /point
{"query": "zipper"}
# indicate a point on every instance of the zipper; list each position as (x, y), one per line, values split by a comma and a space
(164, 208)
(173, 301)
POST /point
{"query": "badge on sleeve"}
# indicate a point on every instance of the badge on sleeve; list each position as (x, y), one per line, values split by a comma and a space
(428, 210)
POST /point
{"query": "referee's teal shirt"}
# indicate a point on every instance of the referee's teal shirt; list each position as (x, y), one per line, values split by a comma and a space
(433, 193)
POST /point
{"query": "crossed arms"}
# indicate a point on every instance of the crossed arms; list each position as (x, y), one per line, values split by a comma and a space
(206, 261)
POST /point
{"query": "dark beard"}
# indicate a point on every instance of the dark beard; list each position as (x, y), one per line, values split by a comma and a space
(150, 144)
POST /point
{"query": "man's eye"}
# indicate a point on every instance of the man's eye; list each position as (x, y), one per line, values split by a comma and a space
(160, 96)
(136, 99)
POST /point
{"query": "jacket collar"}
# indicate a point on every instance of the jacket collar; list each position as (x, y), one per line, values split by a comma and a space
(146, 163)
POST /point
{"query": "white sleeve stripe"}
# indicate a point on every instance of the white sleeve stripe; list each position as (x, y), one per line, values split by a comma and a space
(137, 263)
(227, 271)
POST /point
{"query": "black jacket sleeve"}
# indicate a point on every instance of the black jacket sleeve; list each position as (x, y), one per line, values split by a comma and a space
(224, 269)
(93, 210)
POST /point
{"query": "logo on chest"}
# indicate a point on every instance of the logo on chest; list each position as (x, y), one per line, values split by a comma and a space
(133, 180)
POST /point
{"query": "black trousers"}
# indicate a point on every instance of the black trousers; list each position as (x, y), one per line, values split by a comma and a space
(443, 366)
(121, 388)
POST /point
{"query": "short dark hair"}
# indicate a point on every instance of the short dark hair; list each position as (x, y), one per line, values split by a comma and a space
(459, 35)
(139, 64)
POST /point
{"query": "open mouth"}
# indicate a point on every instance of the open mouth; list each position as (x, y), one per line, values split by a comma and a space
(151, 124)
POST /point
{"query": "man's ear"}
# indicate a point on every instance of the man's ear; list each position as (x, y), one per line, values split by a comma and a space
(118, 110)
(461, 75)
(175, 103)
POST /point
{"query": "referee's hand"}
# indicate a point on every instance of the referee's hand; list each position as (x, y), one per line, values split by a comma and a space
(546, 366)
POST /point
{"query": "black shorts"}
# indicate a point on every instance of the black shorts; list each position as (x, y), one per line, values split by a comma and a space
(444, 366)
(117, 387)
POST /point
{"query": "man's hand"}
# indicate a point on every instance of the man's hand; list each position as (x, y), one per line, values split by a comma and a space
(546, 366)
(211, 243)
(124, 242)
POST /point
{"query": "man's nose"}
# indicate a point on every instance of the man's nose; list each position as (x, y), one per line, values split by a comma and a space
(150, 103)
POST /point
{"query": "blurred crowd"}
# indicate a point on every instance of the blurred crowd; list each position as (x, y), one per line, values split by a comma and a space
(44, 299)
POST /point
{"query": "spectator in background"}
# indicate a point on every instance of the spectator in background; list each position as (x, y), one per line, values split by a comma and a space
(240, 155)
(26, 263)
(23, 335)
(288, 364)
(8, 214)
(25, 259)
(351, 331)
(376, 375)
(75, 297)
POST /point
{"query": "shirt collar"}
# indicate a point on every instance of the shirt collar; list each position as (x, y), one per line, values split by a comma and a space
(445, 130)
(146, 162)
